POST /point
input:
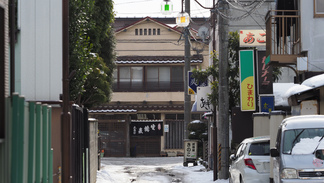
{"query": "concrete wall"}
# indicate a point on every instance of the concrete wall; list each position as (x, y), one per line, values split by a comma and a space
(261, 124)
(39, 49)
(149, 96)
(312, 36)
(93, 133)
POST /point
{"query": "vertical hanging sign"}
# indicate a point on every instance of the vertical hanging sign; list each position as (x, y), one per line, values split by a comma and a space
(247, 83)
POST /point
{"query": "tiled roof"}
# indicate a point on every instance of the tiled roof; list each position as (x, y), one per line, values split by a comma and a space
(145, 19)
(156, 59)
(134, 108)
(113, 111)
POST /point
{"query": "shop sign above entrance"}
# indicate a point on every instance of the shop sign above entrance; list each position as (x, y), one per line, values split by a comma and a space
(146, 128)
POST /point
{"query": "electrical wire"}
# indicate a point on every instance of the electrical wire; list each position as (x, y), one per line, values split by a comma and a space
(303, 59)
(239, 6)
(242, 16)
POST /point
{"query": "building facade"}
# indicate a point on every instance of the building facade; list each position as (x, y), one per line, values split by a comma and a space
(145, 116)
(4, 85)
(296, 36)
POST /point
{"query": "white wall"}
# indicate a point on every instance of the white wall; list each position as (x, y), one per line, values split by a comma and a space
(312, 36)
(39, 49)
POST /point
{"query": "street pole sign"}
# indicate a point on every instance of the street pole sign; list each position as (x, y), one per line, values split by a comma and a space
(192, 85)
(252, 38)
(247, 81)
(203, 103)
(266, 103)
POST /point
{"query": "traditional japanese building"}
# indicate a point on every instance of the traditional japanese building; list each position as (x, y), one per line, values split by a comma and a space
(146, 114)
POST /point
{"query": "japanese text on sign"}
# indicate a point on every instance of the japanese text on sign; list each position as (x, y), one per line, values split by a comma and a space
(250, 38)
(146, 128)
(191, 149)
(247, 88)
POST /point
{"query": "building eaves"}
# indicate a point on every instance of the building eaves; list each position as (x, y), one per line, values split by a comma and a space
(114, 109)
(307, 90)
(156, 59)
(147, 19)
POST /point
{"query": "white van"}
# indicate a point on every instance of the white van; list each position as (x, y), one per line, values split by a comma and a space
(297, 156)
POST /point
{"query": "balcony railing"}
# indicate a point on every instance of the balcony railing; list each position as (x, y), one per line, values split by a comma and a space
(283, 36)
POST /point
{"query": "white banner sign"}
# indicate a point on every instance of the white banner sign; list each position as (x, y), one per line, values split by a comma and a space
(166, 128)
(203, 103)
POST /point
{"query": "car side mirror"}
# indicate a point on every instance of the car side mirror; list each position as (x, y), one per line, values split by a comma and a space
(319, 153)
(274, 152)
(232, 157)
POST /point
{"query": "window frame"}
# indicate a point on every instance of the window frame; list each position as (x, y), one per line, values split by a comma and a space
(173, 84)
(131, 82)
(318, 15)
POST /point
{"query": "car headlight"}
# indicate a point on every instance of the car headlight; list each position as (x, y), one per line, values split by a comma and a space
(289, 173)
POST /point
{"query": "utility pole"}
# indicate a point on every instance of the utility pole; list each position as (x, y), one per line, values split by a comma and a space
(213, 138)
(223, 103)
(187, 99)
(214, 128)
(65, 116)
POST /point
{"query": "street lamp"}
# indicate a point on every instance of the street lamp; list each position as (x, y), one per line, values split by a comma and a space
(166, 7)
(183, 19)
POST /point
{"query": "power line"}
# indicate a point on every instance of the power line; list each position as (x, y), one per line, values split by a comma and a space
(133, 2)
(242, 16)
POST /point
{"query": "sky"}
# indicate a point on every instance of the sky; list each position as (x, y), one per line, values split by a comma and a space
(143, 8)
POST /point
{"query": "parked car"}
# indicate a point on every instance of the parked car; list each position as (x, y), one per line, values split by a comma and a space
(298, 155)
(251, 162)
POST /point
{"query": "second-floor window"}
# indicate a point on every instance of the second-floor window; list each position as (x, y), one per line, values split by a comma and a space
(130, 77)
(149, 78)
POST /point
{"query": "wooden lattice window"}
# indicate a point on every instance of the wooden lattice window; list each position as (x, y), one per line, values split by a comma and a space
(174, 138)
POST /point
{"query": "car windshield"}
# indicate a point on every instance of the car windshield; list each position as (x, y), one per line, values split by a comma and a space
(259, 149)
(300, 136)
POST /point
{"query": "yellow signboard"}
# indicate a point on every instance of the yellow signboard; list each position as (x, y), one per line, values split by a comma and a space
(247, 80)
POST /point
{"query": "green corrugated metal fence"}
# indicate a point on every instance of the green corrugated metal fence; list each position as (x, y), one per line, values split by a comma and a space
(30, 141)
